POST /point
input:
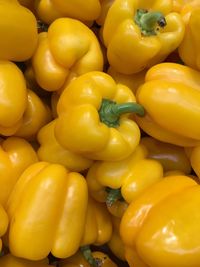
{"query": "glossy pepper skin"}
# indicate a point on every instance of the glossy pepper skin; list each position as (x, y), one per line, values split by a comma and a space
(88, 122)
(78, 260)
(170, 156)
(13, 102)
(49, 10)
(161, 228)
(79, 53)
(3, 223)
(18, 26)
(171, 99)
(47, 211)
(131, 176)
(50, 150)
(16, 154)
(189, 47)
(11, 261)
(36, 115)
(139, 34)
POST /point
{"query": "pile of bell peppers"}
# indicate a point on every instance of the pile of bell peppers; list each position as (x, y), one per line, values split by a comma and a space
(99, 133)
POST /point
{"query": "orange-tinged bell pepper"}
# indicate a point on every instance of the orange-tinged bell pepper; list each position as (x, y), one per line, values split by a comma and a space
(171, 99)
(13, 101)
(189, 47)
(3, 223)
(78, 260)
(18, 28)
(16, 154)
(11, 261)
(161, 228)
(170, 156)
(125, 179)
(49, 10)
(36, 115)
(47, 211)
(50, 150)
(91, 119)
(79, 53)
(139, 34)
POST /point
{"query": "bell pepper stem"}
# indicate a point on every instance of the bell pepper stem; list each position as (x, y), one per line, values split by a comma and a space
(149, 21)
(113, 196)
(87, 254)
(110, 111)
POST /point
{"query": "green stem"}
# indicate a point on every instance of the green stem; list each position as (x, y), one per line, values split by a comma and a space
(113, 196)
(87, 254)
(148, 21)
(110, 111)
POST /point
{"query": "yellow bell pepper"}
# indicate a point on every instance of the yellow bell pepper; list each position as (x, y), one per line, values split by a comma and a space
(189, 47)
(139, 34)
(18, 29)
(98, 224)
(115, 243)
(13, 102)
(98, 231)
(161, 228)
(171, 99)
(50, 150)
(170, 156)
(125, 179)
(79, 53)
(36, 115)
(3, 224)
(78, 260)
(11, 261)
(49, 10)
(91, 119)
(16, 154)
(47, 212)
(133, 81)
